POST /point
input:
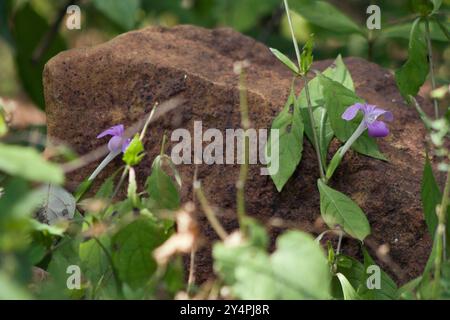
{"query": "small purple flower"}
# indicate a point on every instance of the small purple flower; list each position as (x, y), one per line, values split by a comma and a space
(117, 142)
(376, 128)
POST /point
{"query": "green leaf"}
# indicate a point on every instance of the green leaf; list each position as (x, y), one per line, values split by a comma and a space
(306, 57)
(443, 27)
(347, 288)
(325, 15)
(123, 13)
(296, 270)
(338, 209)
(357, 275)
(431, 197)
(47, 229)
(290, 143)
(337, 99)
(436, 4)
(12, 290)
(135, 152)
(285, 60)
(18, 201)
(247, 270)
(301, 267)
(388, 288)
(132, 251)
(404, 30)
(324, 131)
(337, 71)
(161, 188)
(106, 189)
(406, 292)
(334, 164)
(94, 261)
(412, 75)
(28, 163)
(30, 72)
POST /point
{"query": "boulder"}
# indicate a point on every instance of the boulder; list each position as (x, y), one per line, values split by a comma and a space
(88, 90)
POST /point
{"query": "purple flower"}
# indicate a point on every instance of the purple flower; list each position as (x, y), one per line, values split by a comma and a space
(117, 142)
(376, 128)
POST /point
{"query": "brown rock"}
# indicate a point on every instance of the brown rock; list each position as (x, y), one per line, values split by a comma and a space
(88, 90)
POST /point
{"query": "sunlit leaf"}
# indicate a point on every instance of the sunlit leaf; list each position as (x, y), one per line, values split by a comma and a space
(339, 210)
(161, 188)
(289, 124)
(285, 60)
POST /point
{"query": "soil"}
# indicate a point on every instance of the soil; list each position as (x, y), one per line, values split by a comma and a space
(88, 90)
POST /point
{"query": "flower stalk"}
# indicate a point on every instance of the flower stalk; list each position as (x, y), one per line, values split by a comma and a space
(308, 96)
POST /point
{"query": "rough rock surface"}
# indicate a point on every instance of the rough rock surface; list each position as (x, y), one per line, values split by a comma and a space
(88, 90)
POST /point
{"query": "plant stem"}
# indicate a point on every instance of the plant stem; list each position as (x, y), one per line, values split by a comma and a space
(430, 61)
(191, 272)
(308, 97)
(209, 212)
(440, 236)
(245, 123)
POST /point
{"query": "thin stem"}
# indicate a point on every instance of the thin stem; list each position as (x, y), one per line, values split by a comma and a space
(308, 97)
(313, 125)
(209, 212)
(430, 61)
(147, 122)
(297, 50)
(191, 272)
(338, 249)
(440, 236)
(427, 121)
(358, 132)
(243, 174)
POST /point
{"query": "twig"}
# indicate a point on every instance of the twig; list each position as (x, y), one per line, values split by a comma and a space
(430, 61)
(209, 212)
(243, 174)
(191, 271)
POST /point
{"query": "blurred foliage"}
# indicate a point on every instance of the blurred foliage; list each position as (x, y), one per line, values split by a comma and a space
(339, 27)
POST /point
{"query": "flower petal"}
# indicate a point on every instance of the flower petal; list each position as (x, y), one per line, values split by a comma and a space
(351, 111)
(378, 129)
(113, 131)
(387, 115)
(125, 145)
(115, 144)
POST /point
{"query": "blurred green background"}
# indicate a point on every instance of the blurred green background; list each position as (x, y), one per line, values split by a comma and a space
(24, 25)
